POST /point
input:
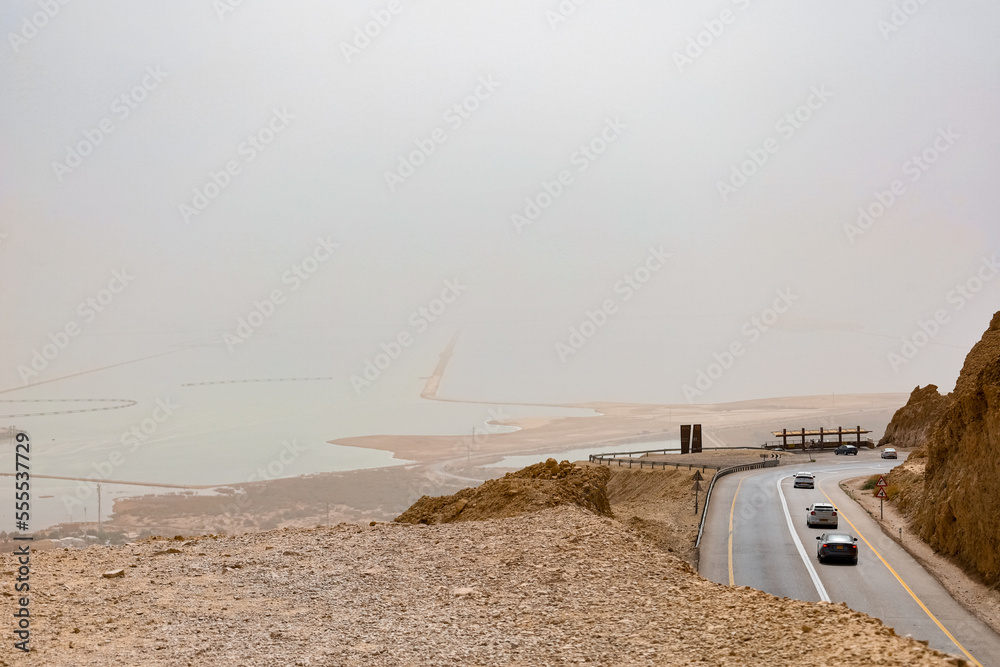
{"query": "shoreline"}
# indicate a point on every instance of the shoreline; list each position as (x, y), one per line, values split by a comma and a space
(731, 424)
(441, 465)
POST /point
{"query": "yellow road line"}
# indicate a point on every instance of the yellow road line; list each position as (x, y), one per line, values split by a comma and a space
(903, 584)
(732, 580)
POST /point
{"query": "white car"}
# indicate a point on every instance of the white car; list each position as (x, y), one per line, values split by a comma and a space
(821, 514)
(804, 480)
(888, 453)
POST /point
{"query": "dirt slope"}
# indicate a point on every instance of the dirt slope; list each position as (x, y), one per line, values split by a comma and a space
(536, 487)
(659, 505)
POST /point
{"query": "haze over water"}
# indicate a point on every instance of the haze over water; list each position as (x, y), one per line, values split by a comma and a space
(657, 203)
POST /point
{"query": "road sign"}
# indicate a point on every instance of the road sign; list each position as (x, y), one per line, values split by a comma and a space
(881, 483)
(881, 494)
(697, 485)
(697, 476)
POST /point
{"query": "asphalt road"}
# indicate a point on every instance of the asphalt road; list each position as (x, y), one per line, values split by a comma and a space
(772, 549)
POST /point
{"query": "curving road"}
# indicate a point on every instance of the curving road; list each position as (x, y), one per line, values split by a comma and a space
(756, 536)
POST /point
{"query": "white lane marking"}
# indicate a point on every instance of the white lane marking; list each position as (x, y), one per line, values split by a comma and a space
(801, 549)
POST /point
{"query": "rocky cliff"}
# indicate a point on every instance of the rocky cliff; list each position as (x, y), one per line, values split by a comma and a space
(955, 502)
(912, 423)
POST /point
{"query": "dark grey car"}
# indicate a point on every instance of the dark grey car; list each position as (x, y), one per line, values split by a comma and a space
(837, 546)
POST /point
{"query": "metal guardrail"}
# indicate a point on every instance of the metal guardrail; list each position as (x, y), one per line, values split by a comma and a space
(601, 459)
(669, 450)
(722, 473)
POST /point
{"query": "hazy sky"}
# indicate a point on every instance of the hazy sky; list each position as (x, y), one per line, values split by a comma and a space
(694, 166)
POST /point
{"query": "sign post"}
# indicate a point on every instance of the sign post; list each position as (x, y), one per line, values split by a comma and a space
(881, 495)
(696, 488)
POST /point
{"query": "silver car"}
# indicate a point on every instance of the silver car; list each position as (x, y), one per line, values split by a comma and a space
(888, 453)
(804, 480)
(821, 514)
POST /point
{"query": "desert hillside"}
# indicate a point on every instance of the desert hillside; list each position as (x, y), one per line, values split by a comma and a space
(533, 488)
(566, 584)
(950, 489)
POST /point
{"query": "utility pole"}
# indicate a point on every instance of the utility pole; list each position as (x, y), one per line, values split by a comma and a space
(98, 508)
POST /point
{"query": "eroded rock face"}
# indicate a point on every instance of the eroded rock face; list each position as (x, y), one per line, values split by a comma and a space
(984, 353)
(961, 496)
(912, 423)
(954, 504)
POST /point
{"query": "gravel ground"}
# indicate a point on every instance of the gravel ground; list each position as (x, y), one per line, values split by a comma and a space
(557, 587)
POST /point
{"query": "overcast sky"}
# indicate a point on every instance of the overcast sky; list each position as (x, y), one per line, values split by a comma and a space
(694, 166)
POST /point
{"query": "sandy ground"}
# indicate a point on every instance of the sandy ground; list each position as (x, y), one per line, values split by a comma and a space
(745, 423)
(981, 600)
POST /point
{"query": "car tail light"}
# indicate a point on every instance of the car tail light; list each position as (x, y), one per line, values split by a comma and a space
(854, 546)
(813, 513)
(834, 514)
(825, 546)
